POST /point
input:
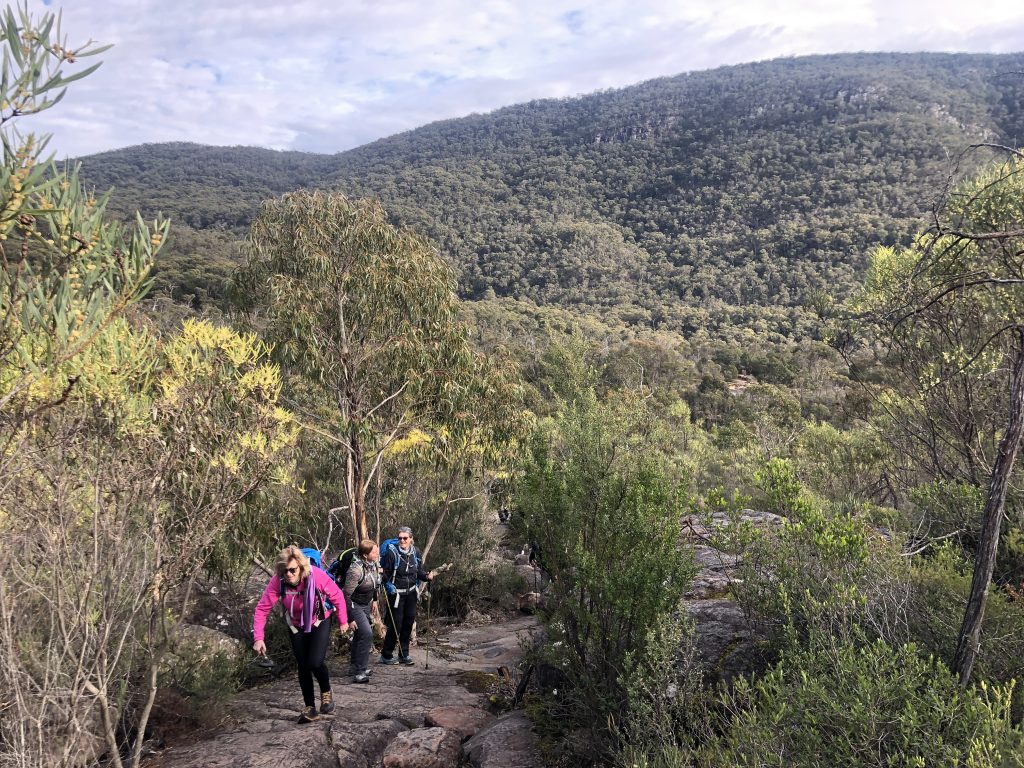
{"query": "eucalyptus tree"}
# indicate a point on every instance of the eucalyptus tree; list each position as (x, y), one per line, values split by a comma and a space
(951, 309)
(366, 316)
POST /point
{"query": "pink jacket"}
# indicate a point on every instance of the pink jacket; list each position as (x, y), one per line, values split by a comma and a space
(294, 600)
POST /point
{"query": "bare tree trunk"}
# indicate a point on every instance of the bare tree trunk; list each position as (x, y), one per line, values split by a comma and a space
(356, 487)
(969, 640)
(440, 518)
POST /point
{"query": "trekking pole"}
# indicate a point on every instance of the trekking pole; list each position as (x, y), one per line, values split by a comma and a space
(430, 604)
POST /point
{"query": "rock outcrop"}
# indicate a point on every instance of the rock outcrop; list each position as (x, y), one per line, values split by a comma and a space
(424, 748)
(727, 643)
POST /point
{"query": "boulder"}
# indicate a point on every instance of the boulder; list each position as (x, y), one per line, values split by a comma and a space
(508, 742)
(529, 602)
(465, 721)
(703, 525)
(423, 748)
(363, 745)
(727, 644)
(715, 571)
(202, 643)
(536, 580)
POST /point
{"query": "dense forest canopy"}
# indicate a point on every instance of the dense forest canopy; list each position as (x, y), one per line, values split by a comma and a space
(717, 199)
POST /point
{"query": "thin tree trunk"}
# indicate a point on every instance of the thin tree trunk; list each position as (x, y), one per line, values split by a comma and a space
(357, 490)
(969, 640)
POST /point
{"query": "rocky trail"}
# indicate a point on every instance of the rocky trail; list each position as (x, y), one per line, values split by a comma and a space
(436, 714)
(444, 712)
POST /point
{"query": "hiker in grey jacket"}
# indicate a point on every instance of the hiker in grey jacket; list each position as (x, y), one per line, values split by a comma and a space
(362, 581)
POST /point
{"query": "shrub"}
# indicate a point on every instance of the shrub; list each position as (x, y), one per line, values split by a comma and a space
(839, 703)
(830, 570)
(941, 583)
(666, 711)
(607, 518)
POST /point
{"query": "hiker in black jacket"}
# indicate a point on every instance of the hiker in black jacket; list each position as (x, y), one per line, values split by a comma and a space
(402, 568)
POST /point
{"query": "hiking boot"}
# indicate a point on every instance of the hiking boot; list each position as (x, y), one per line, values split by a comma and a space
(406, 661)
(388, 660)
(362, 677)
(367, 671)
(326, 703)
(309, 715)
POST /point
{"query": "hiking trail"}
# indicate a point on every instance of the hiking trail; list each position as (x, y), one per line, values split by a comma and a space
(407, 717)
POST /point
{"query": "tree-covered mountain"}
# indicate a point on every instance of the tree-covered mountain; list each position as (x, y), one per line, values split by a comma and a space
(733, 197)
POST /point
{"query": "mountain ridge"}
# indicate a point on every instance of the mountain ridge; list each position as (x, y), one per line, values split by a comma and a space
(682, 202)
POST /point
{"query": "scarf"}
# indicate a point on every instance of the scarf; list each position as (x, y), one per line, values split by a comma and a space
(307, 606)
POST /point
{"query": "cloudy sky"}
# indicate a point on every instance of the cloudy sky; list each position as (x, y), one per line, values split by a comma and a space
(328, 75)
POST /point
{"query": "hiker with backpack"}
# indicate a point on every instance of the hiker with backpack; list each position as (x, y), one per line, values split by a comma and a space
(360, 579)
(403, 572)
(309, 598)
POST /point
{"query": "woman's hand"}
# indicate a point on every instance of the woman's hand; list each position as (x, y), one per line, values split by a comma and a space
(260, 647)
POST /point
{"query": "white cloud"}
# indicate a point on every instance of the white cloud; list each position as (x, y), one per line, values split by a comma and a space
(326, 76)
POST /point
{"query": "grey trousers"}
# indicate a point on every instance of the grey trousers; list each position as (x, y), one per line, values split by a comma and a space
(362, 642)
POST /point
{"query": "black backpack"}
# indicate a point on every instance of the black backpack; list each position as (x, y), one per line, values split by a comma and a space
(338, 570)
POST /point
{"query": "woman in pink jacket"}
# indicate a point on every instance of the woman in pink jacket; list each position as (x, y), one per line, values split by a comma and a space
(305, 591)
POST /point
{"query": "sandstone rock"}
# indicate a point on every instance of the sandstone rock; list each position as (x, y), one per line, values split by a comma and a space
(534, 577)
(704, 525)
(202, 643)
(465, 721)
(423, 748)
(715, 571)
(529, 602)
(363, 745)
(726, 643)
(508, 742)
(294, 747)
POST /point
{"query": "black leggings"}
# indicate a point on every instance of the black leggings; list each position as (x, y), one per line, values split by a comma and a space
(311, 654)
(399, 621)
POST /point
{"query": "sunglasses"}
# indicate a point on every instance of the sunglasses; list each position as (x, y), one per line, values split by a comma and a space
(291, 571)
(404, 538)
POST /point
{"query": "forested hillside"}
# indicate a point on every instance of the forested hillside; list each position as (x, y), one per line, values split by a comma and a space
(731, 197)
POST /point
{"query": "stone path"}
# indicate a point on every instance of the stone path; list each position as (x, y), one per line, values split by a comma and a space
(432, 715)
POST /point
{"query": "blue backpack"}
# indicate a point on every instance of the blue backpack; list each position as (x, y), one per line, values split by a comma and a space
(314, 556)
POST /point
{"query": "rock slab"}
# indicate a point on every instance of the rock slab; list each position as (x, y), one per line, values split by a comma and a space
(465, 721)
(424, 748)
(508, 742)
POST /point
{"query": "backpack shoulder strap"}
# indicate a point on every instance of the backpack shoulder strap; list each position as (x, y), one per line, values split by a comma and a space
(391, 547)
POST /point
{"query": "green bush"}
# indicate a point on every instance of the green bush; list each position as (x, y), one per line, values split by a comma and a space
(838, 704)
(941, 583)
(607, 517)
(833, 571)
(666, 713)
(198, 679)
